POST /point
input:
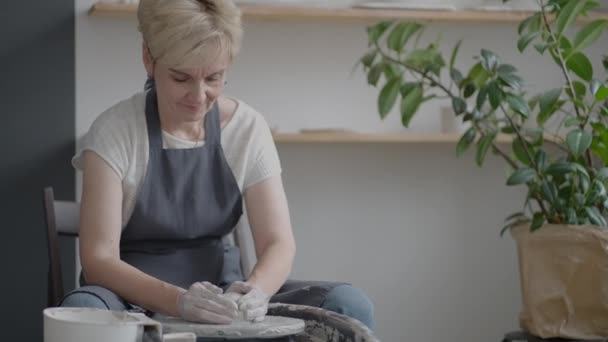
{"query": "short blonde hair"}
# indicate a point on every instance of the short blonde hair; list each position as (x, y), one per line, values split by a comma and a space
(190, 32)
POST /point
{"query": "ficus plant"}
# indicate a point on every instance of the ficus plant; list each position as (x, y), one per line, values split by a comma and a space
(559, 147)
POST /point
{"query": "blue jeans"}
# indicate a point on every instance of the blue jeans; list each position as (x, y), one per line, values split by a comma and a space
(343, 299)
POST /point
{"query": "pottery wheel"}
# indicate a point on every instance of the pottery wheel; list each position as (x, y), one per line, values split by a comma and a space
(271, 327)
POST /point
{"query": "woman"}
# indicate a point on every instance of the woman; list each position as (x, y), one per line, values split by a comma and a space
(165, 175)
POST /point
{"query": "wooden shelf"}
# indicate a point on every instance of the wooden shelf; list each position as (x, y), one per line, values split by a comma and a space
(100, 9)
(374, 138)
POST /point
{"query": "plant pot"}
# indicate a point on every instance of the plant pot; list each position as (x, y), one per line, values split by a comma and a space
(564, 280)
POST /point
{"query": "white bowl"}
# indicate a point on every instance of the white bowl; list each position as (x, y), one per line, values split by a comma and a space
(90, 325)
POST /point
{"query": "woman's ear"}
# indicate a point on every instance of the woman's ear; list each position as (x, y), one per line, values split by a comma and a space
(148, 60)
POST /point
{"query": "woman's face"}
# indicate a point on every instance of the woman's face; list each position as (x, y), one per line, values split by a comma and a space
(187, 94)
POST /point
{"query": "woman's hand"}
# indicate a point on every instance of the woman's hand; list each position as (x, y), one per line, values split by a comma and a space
(253, 303)
(204, 303)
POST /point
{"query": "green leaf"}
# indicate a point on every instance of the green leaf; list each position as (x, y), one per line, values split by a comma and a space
(478, 75)
(410, 104)
(391, 71)
(525, 40)
(512, 81)
(454, 54)
(388, 96)
(489, 60)
(506, 69)
(407, 87)
(459, 105)
(547, 103)
(581, 66)
(588, 35)
(374, 74)
(526, 23)
(518, 105)
(482, 96)
(541, 48)
(602, 174)
(456, 76)
(602, 93)
(521, 176)
(369, 58)
(482, 148)
(520, 152)
(400, 34)
(571, 122)
(537, 221)
(595, 216)
(495, 94)
(579, 89)
(550, 193)
(469, 90)
(578, 142)
(465, 141)
(560, 168)
(540, 159)
(376, 31)
(568, 14)
(571, 216)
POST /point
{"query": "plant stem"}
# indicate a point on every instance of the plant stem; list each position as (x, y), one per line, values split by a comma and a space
(564, 68)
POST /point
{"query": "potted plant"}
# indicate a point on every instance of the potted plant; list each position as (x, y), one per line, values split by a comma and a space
(559, 150)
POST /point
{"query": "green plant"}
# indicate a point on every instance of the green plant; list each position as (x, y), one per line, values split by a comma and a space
(565, 173)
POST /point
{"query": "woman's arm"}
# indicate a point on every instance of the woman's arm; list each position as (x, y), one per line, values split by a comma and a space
(100, 230)
(270, 223)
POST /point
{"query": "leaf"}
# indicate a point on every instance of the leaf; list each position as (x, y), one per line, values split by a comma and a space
(521, 176)
(369, 58)
(571, 216)
(550, 193)
(579, 89)
(541, 47)
(465, 141)
(391, 71)
(581, 66)
(547, 103)
(469, 90)
(602, 93)
(506, 69)
(520, 152)
(400, 34)
(456, 76)
(512, 81)
(602, 174)
(478, 75)
(588, 35)
(407, 87)
(388, 96)
(482, 148)
(571, 122)
(560, 169)
(482, 96)
(526, 23)
(376, 31)
(568, 14)
(540, 159)
(525, 40)
(374, 74)
(454, 54)
(495, 95)
(489, 60)
(410, 104)
(578, 142)
(518, 105)
(514, 216)
(595, 216)
(537, 221)
(459, 105)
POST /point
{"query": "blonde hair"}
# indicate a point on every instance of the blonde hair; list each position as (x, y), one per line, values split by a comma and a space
(190, 32)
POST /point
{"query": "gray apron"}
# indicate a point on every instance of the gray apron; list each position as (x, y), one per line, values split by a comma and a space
(188, 201)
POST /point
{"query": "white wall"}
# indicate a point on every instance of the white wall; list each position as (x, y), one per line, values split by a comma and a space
(413, 226)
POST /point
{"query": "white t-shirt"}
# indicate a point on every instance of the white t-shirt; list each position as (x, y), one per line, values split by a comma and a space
(120, 137)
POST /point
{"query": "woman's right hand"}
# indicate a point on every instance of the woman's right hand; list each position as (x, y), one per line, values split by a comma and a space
(204, 303)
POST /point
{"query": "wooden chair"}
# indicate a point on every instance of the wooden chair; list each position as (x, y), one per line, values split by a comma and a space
(62, 219)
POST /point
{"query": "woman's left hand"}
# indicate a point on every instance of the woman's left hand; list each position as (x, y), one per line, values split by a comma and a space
(253, 302)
